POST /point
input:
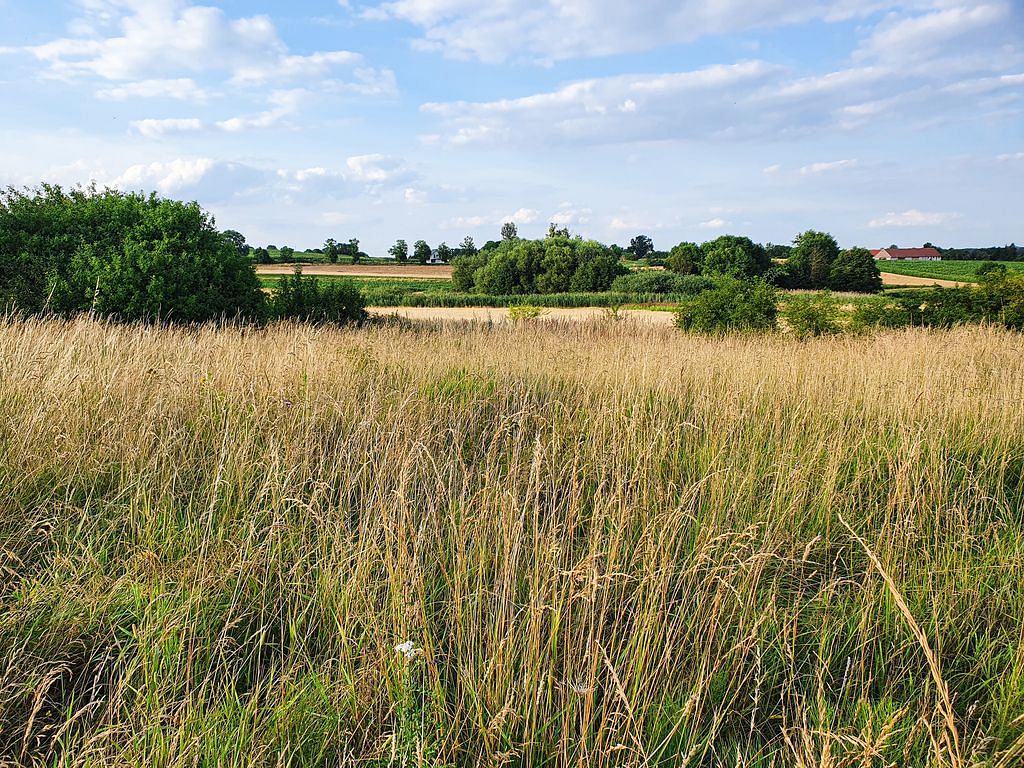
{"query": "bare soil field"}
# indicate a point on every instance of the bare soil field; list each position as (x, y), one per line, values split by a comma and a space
(421, 271)
(908, 281)
(501, 315)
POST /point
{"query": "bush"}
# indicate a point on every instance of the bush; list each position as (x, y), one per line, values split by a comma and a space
(736, 305)
(661, 283)
(124, 256)
(523, 312)
(815, 314)
(855, 270)
(734, 257)
(309, 300)
(880, 312)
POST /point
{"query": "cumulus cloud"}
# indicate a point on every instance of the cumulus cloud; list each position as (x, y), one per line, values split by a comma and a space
(158, 40)
(522, 216)
(912, 218)
(157, 129)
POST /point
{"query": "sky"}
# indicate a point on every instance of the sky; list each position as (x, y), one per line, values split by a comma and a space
(879, 121)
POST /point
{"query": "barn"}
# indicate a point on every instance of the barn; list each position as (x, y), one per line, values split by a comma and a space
(907, 254)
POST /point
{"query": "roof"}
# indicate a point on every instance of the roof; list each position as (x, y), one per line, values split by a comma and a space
(910, 253)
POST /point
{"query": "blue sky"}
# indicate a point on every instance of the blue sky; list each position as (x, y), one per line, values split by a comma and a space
(882, 122)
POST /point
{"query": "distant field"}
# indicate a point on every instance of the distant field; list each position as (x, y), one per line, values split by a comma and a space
(394, 269)
(960, 271)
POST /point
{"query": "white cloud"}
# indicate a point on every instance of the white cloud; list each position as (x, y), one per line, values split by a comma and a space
(770, 169)
(464, 222)
(912, 218)
(182, 89)
(522, 216)
(834, 165)
(283, 104)
(167, 177)
(377, 168)
(569, 215)
(159, 40)
(1010, 157)
(714, 224)
(414, 196)
(157, 129)
(553, 30)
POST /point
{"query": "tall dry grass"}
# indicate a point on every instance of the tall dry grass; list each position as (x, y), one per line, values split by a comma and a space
(608, 545)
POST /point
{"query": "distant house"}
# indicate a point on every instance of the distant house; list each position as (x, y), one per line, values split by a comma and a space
(907, 254)
(435, 257)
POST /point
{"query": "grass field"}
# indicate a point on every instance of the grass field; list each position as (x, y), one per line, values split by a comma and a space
(961, 271)
(607, 545)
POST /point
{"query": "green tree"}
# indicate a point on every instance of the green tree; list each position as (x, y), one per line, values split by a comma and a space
(124, 256)
(734, 256)
(444, 253)
(556, 231)
(286, 253)
(262, 256)
(421, 251)
(641, 247)
(467, 247)
(855, 269)
(308, 300)
(815, 314)
(237, 241)
(400, 250)
(810, 262)
(685, 258)
(332, 250)
(509, 231)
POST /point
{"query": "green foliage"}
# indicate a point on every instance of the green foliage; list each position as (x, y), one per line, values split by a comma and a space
(509, 231)
(332, 250)
(308, 299)
(656, 282)
(554, 265)
(641, 247)
(879, 312)
(734, 256)
(286, 253)
(810, 262)
(736, 305)
(421, 251)
(960, 271)
(125, 256)
(237, 241)
(400, 250)
(855, 270)
(444, 253)
(685, 258)
(814, 314)
(523, 312)
(262, 256)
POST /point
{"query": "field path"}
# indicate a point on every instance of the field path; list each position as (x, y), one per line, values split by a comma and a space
(420, 271)
(500, 315)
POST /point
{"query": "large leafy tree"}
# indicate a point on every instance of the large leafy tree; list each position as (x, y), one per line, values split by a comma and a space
(641, 247)
(127, 256)
(421, 251)
(685, 259)
(400, 250)
(855, 270)
(810, 262)
(734, 257)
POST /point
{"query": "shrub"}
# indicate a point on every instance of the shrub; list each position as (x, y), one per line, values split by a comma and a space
(124, 256)
(521, 312)
(307, 299)
(734, 257)
(736, 305)
(661, 283)
(879, 312)
(685, 259)
(815, 314)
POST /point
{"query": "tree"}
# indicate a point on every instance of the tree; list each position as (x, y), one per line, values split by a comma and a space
(123, 256)
(237, 241)
(555, 231)
(444, 253)
(421, 251)
(685, 259)
(641, 247)
(509, 231)
(734, 256)
(331, 249)
(467, 247)
(400, 250)
(286, 253)
(262, 256)
(810, 262)
(353, 250)
(855, 270)
(307, 299)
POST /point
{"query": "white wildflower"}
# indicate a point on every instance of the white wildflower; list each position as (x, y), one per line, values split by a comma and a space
(408, 649)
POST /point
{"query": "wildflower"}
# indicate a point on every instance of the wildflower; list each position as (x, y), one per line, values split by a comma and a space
(409, 650)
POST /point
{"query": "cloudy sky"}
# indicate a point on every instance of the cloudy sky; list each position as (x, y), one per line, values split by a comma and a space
(881, 121)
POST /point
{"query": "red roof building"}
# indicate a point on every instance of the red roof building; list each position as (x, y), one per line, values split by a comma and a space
(907, 254)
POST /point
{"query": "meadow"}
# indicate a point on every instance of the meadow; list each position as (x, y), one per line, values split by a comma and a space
(960, 271)
(595, 544)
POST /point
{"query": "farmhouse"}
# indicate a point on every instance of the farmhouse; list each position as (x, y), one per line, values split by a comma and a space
(907, 254)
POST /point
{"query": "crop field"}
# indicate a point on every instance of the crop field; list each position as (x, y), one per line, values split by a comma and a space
(597, 544)
(958, 271)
